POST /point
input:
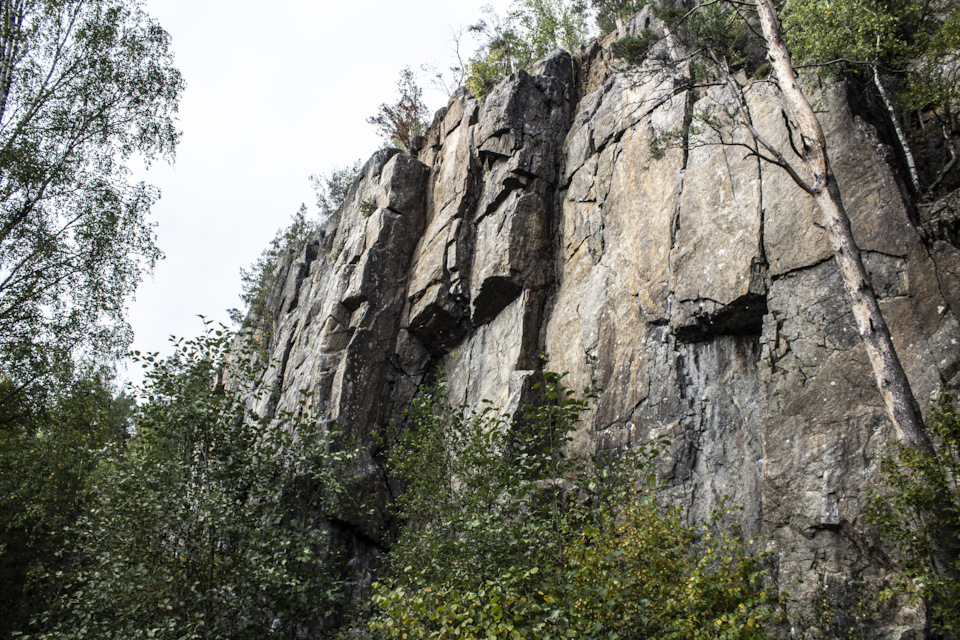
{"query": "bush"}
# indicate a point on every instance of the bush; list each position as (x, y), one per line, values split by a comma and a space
(51, 440)
(918, 514)
(398, 124)
(209, 523)
(531, 31)
(507, 536)
(331, 188)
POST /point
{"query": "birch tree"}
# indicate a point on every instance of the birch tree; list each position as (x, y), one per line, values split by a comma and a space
(815, 176)
(715, 33)
(906, 49)
(85, 87)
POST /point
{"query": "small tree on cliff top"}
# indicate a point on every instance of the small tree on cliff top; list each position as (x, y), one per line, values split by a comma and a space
(528, 32)
(400, 123)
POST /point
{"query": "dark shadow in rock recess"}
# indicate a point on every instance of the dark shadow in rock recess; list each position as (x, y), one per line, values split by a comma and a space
(742, 317)
(438, 330)
(495, 294)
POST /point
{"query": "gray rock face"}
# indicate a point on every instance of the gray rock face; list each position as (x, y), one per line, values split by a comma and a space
(543, 227)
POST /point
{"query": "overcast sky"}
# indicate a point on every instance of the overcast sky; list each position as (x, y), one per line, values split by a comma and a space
(275, 92)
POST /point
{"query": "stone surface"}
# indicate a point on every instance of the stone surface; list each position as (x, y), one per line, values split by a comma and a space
(545, 226)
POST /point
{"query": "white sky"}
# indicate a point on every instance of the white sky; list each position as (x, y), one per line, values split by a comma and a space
(275, 92)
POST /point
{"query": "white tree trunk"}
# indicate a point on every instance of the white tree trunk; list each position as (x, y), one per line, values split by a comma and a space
(891, 379)
(8, 41)
(898, 127)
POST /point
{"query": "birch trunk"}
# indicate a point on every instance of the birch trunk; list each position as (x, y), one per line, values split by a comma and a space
(897, 123)
(901, 405)
(11, 23)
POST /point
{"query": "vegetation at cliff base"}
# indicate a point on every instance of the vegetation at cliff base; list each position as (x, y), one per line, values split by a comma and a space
(51, 442)
(917, 513)
(87, 91)
(194, 509)
(506, 535)
(208, 521)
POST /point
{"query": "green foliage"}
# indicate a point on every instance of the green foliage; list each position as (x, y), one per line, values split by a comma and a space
(918, 41)
(918, 514)
(634, 48)
(332, 188)
(262, 279)
(547, 25)
(531, 30)
(499, 60)
(609, 12)
(850, 31)
(502, 51)
(715, 38)
(208, 523)
(507, 536)
(672, 14)
(49, 446)
(367, 207)
(84, 88)
(398, 124)
(720, 32)
(845, 611)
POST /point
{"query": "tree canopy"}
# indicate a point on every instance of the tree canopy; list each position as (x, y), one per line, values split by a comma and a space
(85, 86)
(208, 523)
(398, 124)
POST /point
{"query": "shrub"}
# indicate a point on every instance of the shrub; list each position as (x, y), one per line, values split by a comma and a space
(398, 124)
(531, 30)
(208, 524)
(507, 536)
(51, 440)
(918, 514)
(331, 188)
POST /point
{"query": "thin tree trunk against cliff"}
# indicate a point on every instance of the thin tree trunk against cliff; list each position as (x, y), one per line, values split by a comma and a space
(891, 379)
(898, 127)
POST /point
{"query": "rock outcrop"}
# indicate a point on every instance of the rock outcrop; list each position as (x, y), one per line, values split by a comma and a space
(544, 227)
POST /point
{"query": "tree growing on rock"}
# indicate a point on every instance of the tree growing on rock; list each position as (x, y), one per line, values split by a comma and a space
(529, 32)
(708, 44)
(712, 44)
(815, 176)
(331, 188)
(398, 124)
(612, 13)
(907, 49)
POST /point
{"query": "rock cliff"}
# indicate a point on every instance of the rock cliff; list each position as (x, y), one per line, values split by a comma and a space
(544, 227)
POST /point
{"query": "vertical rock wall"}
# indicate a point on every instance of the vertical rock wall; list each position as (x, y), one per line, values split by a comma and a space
(544, 227)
